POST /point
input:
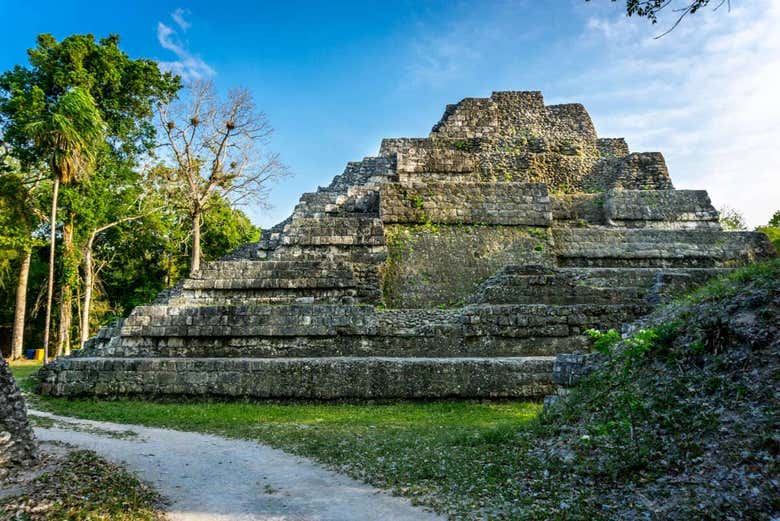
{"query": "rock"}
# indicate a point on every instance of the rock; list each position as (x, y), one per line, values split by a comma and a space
(18, 446)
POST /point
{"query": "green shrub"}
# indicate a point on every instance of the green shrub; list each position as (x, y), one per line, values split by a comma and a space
(773, 233)
(603, 342)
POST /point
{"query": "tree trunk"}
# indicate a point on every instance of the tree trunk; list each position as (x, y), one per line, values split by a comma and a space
(66, 292)
(21, 307)
(195, 263)
(88, 277)
(50, 292)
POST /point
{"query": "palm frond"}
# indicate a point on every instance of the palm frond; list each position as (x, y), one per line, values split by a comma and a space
(71, 131)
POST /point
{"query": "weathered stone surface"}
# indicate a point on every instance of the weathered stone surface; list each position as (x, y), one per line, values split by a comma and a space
(442, 265)
(665, 209)
(17, 441)
(570, 368)
(510, 204)
(578, 209)
(650, 248)
(527, 284)
(455, 265)
(303, 378)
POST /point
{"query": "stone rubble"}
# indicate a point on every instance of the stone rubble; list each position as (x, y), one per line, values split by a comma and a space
(18, 447)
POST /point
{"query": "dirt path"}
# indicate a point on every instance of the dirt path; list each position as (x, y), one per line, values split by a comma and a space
(209, 478)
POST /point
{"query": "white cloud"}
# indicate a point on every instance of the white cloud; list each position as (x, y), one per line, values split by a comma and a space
(187, 65)
(716, 113)
(178, 17)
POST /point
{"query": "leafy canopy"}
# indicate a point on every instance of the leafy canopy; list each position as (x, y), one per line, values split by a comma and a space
(124, 91)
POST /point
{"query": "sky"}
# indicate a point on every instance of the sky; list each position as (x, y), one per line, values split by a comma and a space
(334, 78)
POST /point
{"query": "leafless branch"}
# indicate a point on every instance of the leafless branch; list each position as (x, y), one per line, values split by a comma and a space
(217, 146)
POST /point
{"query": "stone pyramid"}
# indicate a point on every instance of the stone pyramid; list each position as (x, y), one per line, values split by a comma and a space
(456, 265)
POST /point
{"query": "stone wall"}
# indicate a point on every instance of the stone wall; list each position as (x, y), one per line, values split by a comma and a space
(432, 265)
(270, 282)
(578, 209)
(303, 378)
(472, 203)
(514, 137)
(487, 329)
(17, 442)
(612, 146)
(667, 209)
(504, 112)
(649, 248)
(524, 284)
(637, 171)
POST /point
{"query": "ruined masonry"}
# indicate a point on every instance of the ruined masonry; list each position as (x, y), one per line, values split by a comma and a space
(18, 447)
(456, 265)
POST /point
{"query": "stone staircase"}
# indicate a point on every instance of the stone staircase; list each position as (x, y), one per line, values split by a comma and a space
(456, 265)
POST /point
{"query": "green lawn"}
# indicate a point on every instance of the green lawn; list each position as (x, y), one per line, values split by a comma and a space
(460, 458)
(24, 368)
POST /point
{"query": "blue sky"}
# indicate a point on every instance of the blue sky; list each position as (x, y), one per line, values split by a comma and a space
(335, 78)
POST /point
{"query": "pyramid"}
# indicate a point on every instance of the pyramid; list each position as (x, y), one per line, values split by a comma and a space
(456, 265)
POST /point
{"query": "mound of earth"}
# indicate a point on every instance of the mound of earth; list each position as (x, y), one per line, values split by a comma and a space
(679, 420)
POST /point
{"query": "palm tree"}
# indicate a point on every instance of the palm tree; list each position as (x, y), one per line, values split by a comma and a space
(69, 132)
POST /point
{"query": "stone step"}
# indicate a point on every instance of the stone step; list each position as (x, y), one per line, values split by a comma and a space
(439, 346)
(640, 277)
(648, 248)
(357, 199)
(266, 296)
(520, 284)
(331, 378)
(243, 268)
(342, 230)
(331, 320)
(314, 204)
(369, 170)
(273, 275)
(269, 240)
(321, 330)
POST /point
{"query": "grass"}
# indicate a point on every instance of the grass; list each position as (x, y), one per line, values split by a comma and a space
(725, 286)
(22, 369)
(456, 457)
(84, 487)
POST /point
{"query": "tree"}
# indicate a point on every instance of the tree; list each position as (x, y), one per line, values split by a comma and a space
(117, 196)
(143, 257)
(19, 216)
(216, 147)
(650, 9)
(774, 221)
(225, 228)
(123, 91)
(731, 219)
(70, 130)
(772, 230)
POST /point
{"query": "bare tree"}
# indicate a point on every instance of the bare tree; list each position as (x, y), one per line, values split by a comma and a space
(216, 146)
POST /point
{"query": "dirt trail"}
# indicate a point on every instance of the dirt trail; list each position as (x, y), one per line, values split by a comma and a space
(210, 478)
